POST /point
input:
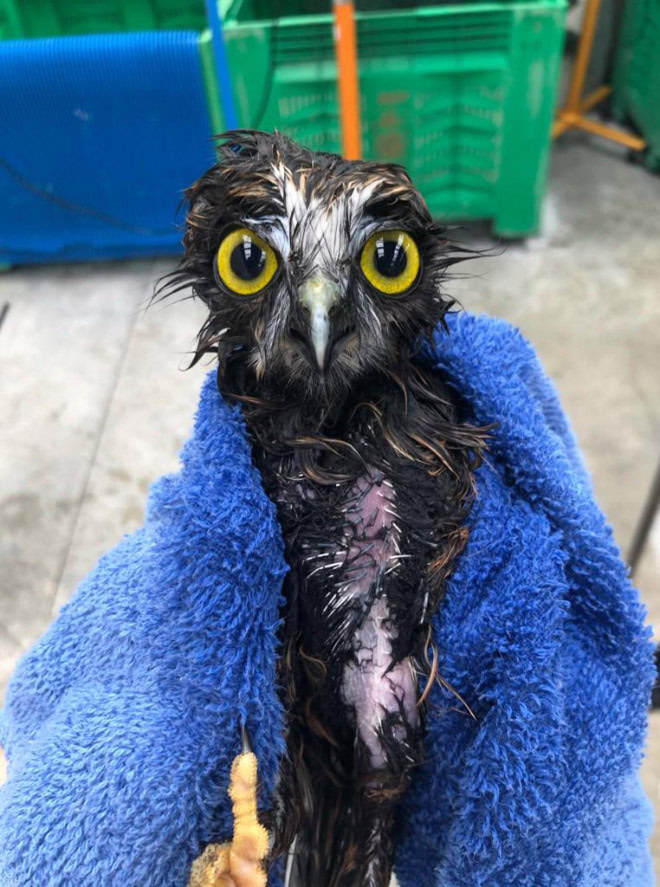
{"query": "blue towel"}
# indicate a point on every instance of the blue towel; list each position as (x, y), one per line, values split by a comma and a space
(121, 723)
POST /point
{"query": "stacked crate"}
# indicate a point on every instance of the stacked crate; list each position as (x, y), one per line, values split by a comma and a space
(107, 111)
(109, 105)
(462, 93)
(636, 83)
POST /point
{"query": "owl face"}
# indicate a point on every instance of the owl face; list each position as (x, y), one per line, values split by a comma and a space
(316, 271)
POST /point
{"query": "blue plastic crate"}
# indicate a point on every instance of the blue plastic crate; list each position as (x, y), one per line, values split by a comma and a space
(99, 135)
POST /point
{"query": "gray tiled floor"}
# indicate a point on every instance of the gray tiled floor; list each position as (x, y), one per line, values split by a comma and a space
(94, 406)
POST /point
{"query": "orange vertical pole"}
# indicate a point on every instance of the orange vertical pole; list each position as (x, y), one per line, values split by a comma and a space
(587, 33)
(347, 78)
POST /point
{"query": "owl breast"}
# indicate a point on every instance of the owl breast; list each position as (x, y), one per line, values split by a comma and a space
(369, 541)
(377, 689)
(358, 593)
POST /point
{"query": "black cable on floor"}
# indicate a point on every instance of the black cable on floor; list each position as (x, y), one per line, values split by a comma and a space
(4, 311)
(643, 528)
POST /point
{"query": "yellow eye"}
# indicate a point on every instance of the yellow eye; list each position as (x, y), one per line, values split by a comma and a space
(390, 261)
(245, 263)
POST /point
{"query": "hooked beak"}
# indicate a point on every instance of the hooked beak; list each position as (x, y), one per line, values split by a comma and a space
(318, 296)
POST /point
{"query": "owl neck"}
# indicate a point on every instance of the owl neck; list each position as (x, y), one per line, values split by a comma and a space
(407, 412)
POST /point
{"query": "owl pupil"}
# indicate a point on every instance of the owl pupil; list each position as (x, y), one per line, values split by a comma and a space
(247, 260)
(390, 258)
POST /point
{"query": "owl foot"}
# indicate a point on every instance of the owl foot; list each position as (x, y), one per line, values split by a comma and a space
(240, 862)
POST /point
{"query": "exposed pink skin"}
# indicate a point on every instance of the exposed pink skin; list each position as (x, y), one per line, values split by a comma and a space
(371, 685)
(373, 690)
(373, 514)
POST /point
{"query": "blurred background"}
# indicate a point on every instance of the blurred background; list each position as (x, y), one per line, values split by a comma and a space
(532, 127)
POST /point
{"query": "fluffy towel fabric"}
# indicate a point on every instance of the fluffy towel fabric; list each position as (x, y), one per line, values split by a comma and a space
(121, 723)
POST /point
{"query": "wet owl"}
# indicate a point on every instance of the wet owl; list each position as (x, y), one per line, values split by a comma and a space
(323, 280)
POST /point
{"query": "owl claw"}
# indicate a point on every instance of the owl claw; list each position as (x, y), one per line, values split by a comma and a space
(239, 863)
(245, 739)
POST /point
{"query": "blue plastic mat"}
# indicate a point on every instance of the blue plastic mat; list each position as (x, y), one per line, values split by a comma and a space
(98, 137)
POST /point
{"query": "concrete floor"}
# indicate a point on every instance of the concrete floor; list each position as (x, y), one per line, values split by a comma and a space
(95, 406)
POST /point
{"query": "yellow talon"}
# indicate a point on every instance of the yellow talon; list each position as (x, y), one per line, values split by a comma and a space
(240, 863)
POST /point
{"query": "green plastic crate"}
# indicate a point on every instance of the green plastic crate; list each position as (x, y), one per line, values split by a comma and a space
(462, 95)
(636, 82)
(59, 18)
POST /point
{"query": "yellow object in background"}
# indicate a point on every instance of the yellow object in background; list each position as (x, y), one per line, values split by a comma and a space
(573, 115)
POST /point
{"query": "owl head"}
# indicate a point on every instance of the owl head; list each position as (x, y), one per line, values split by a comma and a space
(316, 271)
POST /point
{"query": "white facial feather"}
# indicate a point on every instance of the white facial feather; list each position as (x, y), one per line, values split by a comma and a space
(325, 235)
